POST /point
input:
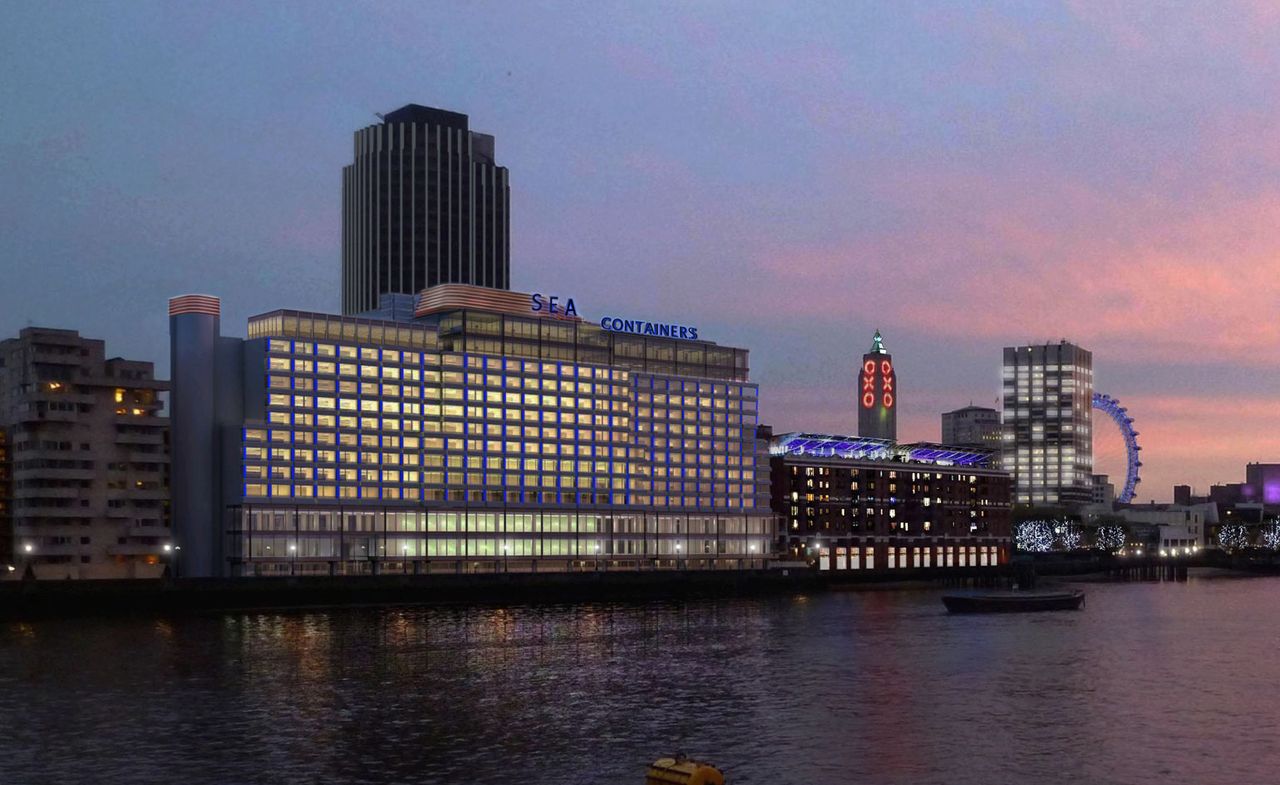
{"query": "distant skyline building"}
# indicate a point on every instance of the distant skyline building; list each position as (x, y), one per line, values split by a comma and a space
(1104, 491)
(972, 426)
(1048, 423)
(1262, 483)
(85, 460)
(423, 203)
(878, 393)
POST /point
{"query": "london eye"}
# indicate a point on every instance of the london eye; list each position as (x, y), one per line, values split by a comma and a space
(1112, 408)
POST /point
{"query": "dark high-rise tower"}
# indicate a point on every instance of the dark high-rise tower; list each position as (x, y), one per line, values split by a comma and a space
(424, 203)
(878, 393)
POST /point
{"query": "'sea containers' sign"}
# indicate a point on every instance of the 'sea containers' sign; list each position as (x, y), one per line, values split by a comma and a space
(564, 308)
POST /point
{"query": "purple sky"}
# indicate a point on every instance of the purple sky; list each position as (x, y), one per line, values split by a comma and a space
(787, 176)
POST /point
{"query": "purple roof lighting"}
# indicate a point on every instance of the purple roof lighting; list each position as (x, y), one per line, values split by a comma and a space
(867, 449)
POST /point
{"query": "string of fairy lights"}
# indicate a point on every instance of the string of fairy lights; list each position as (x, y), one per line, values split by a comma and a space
(1045, 535)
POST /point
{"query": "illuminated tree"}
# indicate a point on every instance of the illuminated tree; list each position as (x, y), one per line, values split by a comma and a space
(1070, 535)
(1270, 535)
(1033, 536)
(1109, 538)
(1233, 537)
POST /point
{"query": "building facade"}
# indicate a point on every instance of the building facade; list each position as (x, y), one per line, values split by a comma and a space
(1048, 423)
(484, 434)
(86, 447)
(1164, 529)
(878, 393)
(423, 203)
(852, 503)
(1262, 483)
(1104, 491)
(6, 529)
(972, 426)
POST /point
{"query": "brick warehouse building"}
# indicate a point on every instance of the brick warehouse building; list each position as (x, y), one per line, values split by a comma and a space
(851, 503)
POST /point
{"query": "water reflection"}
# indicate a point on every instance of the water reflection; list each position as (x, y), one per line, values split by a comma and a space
(1151, 682)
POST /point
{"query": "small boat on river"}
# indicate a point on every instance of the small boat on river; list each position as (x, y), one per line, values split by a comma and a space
(1014, 602)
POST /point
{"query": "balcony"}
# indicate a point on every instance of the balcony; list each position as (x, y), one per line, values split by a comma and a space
(100, 380)
(151, 419)
(45, 549)
(44, 356)
(135, 437)
(49, 493)
(154, 529)
(136, 549)
(67, 394)
(24, 531)
(51, 511)
(52, 416)
(140, 494)
(53, 474)
(49, 453)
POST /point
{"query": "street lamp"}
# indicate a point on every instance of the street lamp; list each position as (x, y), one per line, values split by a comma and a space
(506, 549)
(27, 549)
(293, 558)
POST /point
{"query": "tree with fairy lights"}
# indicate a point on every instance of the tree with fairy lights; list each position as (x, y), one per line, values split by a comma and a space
(1070, 535)
(1110, 538)
(1270, 535)
(1233, 537)
(1033, 536)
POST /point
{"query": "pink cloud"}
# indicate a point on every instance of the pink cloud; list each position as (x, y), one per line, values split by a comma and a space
(998, 258)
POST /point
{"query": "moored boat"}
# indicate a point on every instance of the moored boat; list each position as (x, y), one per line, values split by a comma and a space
(1014, 602)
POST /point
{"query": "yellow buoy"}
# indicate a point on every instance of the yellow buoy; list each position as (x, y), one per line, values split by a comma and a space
(682, 771)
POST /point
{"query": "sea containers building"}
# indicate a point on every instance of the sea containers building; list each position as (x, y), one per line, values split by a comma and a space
(473, 430)
(856, 503)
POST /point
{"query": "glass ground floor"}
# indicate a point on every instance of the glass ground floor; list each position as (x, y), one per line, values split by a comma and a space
(871, 553)
(360, 540)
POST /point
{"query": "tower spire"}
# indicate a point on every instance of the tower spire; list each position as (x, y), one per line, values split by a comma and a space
(877, 344)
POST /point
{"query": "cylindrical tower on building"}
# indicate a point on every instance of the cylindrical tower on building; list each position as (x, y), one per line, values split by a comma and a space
(878, 393)
(194, 330)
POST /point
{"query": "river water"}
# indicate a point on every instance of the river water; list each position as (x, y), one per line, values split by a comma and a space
(1150, 683)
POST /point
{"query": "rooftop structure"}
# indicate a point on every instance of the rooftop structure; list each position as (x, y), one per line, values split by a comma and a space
(860, 448)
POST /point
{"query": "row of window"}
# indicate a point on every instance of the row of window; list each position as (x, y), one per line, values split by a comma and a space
(506, 365)
(531, 468)
(563, 495)
(389, 382)
(277, 519)
(405, 400)
(329, 547)
(472, 457)
(903, 557)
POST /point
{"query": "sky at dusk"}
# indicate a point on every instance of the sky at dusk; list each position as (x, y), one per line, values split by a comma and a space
(786, 176)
